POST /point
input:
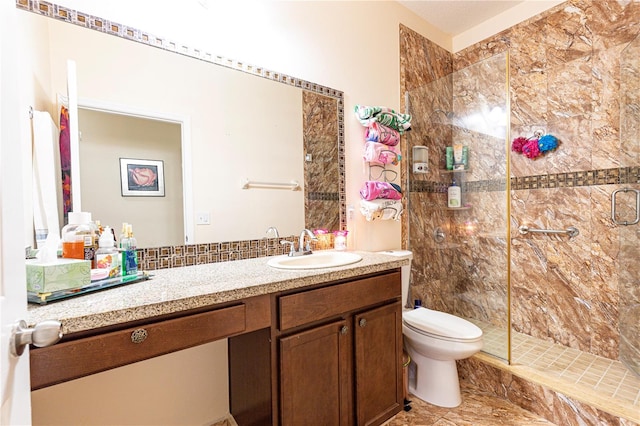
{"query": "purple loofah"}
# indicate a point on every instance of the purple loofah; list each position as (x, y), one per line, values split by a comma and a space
(530, 149)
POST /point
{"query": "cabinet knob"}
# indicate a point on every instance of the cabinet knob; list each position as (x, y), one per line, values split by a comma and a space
(362, 322)
(139, 335)
(344, 329)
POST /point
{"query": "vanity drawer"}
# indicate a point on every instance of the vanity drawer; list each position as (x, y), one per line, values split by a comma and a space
(78, 358)
(334, 300)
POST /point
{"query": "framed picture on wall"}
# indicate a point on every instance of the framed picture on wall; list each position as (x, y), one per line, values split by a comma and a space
(142, 178)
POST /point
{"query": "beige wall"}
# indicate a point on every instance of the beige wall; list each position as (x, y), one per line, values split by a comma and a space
(34, 93)
(233, 135)
(105, 138)
(188, 387)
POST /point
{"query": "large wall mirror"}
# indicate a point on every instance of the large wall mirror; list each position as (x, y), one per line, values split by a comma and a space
(212, 123)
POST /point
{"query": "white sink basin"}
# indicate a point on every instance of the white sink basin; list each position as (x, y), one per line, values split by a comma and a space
(323, 259)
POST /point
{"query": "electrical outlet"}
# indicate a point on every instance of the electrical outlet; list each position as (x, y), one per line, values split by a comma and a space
(203, 218)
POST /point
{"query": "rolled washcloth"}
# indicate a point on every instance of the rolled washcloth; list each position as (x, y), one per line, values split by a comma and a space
(383, 115)
(381, 209)
(379, 154)
(372, 190)
(376, 132)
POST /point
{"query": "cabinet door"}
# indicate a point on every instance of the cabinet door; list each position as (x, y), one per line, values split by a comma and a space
(315, 376)
(378, 364)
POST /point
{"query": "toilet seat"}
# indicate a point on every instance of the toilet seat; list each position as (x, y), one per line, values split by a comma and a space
(441, 325)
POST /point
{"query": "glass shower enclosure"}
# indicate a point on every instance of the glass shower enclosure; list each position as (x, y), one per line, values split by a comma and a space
(463, 262)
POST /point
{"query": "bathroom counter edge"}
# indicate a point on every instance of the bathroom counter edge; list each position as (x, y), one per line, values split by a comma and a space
(191, 287)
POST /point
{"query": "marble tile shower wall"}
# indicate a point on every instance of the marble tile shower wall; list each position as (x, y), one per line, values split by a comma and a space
(320, 133)
(465, 274)
(564, 78)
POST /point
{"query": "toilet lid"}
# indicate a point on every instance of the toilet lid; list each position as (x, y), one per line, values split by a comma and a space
(441, 324)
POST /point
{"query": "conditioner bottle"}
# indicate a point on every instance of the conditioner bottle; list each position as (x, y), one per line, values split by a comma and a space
(454, 195)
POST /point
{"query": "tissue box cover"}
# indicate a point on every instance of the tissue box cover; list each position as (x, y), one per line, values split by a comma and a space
(60, 274)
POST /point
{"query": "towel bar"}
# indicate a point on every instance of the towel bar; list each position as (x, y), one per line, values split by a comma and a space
(293, 185)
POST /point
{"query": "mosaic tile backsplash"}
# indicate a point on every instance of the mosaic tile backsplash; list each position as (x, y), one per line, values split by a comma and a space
(196, 254)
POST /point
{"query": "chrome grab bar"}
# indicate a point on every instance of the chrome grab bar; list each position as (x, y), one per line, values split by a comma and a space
(571, 231)
(614, 195)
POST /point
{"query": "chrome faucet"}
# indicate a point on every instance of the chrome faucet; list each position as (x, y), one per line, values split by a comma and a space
(302, 248)
(274, 230)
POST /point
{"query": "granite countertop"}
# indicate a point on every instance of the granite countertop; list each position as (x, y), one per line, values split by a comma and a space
(179, 289)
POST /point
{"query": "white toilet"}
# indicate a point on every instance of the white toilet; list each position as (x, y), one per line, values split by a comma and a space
(435, 340)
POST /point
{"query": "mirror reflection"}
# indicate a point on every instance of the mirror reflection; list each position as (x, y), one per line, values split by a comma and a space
(214, 128)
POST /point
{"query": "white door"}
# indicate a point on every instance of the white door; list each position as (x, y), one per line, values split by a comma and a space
(15, 387)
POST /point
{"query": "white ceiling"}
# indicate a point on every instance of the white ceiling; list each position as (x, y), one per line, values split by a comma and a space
(454, 17)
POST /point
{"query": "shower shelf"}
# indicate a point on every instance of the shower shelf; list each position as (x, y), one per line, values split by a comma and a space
(459, 208)
(455, 171)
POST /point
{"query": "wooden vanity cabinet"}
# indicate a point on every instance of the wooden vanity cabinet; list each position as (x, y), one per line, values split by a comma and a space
(330, 354)
(340, 353)
(89, 353)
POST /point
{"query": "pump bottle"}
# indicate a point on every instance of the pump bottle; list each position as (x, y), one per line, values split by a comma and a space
(454, 195)
(129, 254)
(107, 256)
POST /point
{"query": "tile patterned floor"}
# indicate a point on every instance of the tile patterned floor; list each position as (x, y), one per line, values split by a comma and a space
(477, 409)
(607, 377)
(609, 380)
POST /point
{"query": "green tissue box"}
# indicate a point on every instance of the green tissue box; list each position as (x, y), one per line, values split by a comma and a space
(60, 274)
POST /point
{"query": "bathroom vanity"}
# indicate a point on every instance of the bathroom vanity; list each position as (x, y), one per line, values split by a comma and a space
(320, 344)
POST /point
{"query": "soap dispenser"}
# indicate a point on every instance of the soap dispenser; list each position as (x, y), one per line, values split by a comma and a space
(454, 195)
(107, 256)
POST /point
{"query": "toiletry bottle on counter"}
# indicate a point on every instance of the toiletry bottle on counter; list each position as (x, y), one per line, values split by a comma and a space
(123, 234)
(340, 240)
(107, 256)
(454, 195)
(79, 237)
(129, 255)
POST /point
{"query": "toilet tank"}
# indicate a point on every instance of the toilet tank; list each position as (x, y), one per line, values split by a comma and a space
(405, 272)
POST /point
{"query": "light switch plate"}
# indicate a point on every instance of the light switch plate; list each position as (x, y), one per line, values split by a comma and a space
(203, 218)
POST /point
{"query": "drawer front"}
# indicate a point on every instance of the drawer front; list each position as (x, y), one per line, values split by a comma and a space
(326, 302)
(78, 358)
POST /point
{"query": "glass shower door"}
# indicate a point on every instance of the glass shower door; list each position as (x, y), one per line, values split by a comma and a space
(626, 206)
(460, 263)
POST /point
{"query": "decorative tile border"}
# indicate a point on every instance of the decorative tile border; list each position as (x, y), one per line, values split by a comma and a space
(165, 257)
(323, 196)
(617, 176)
(96, 23)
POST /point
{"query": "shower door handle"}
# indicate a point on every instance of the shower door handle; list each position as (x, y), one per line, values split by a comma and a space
(614, 196)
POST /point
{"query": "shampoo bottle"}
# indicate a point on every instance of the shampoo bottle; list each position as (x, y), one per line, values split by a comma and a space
(129, 255)
(454, 195)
